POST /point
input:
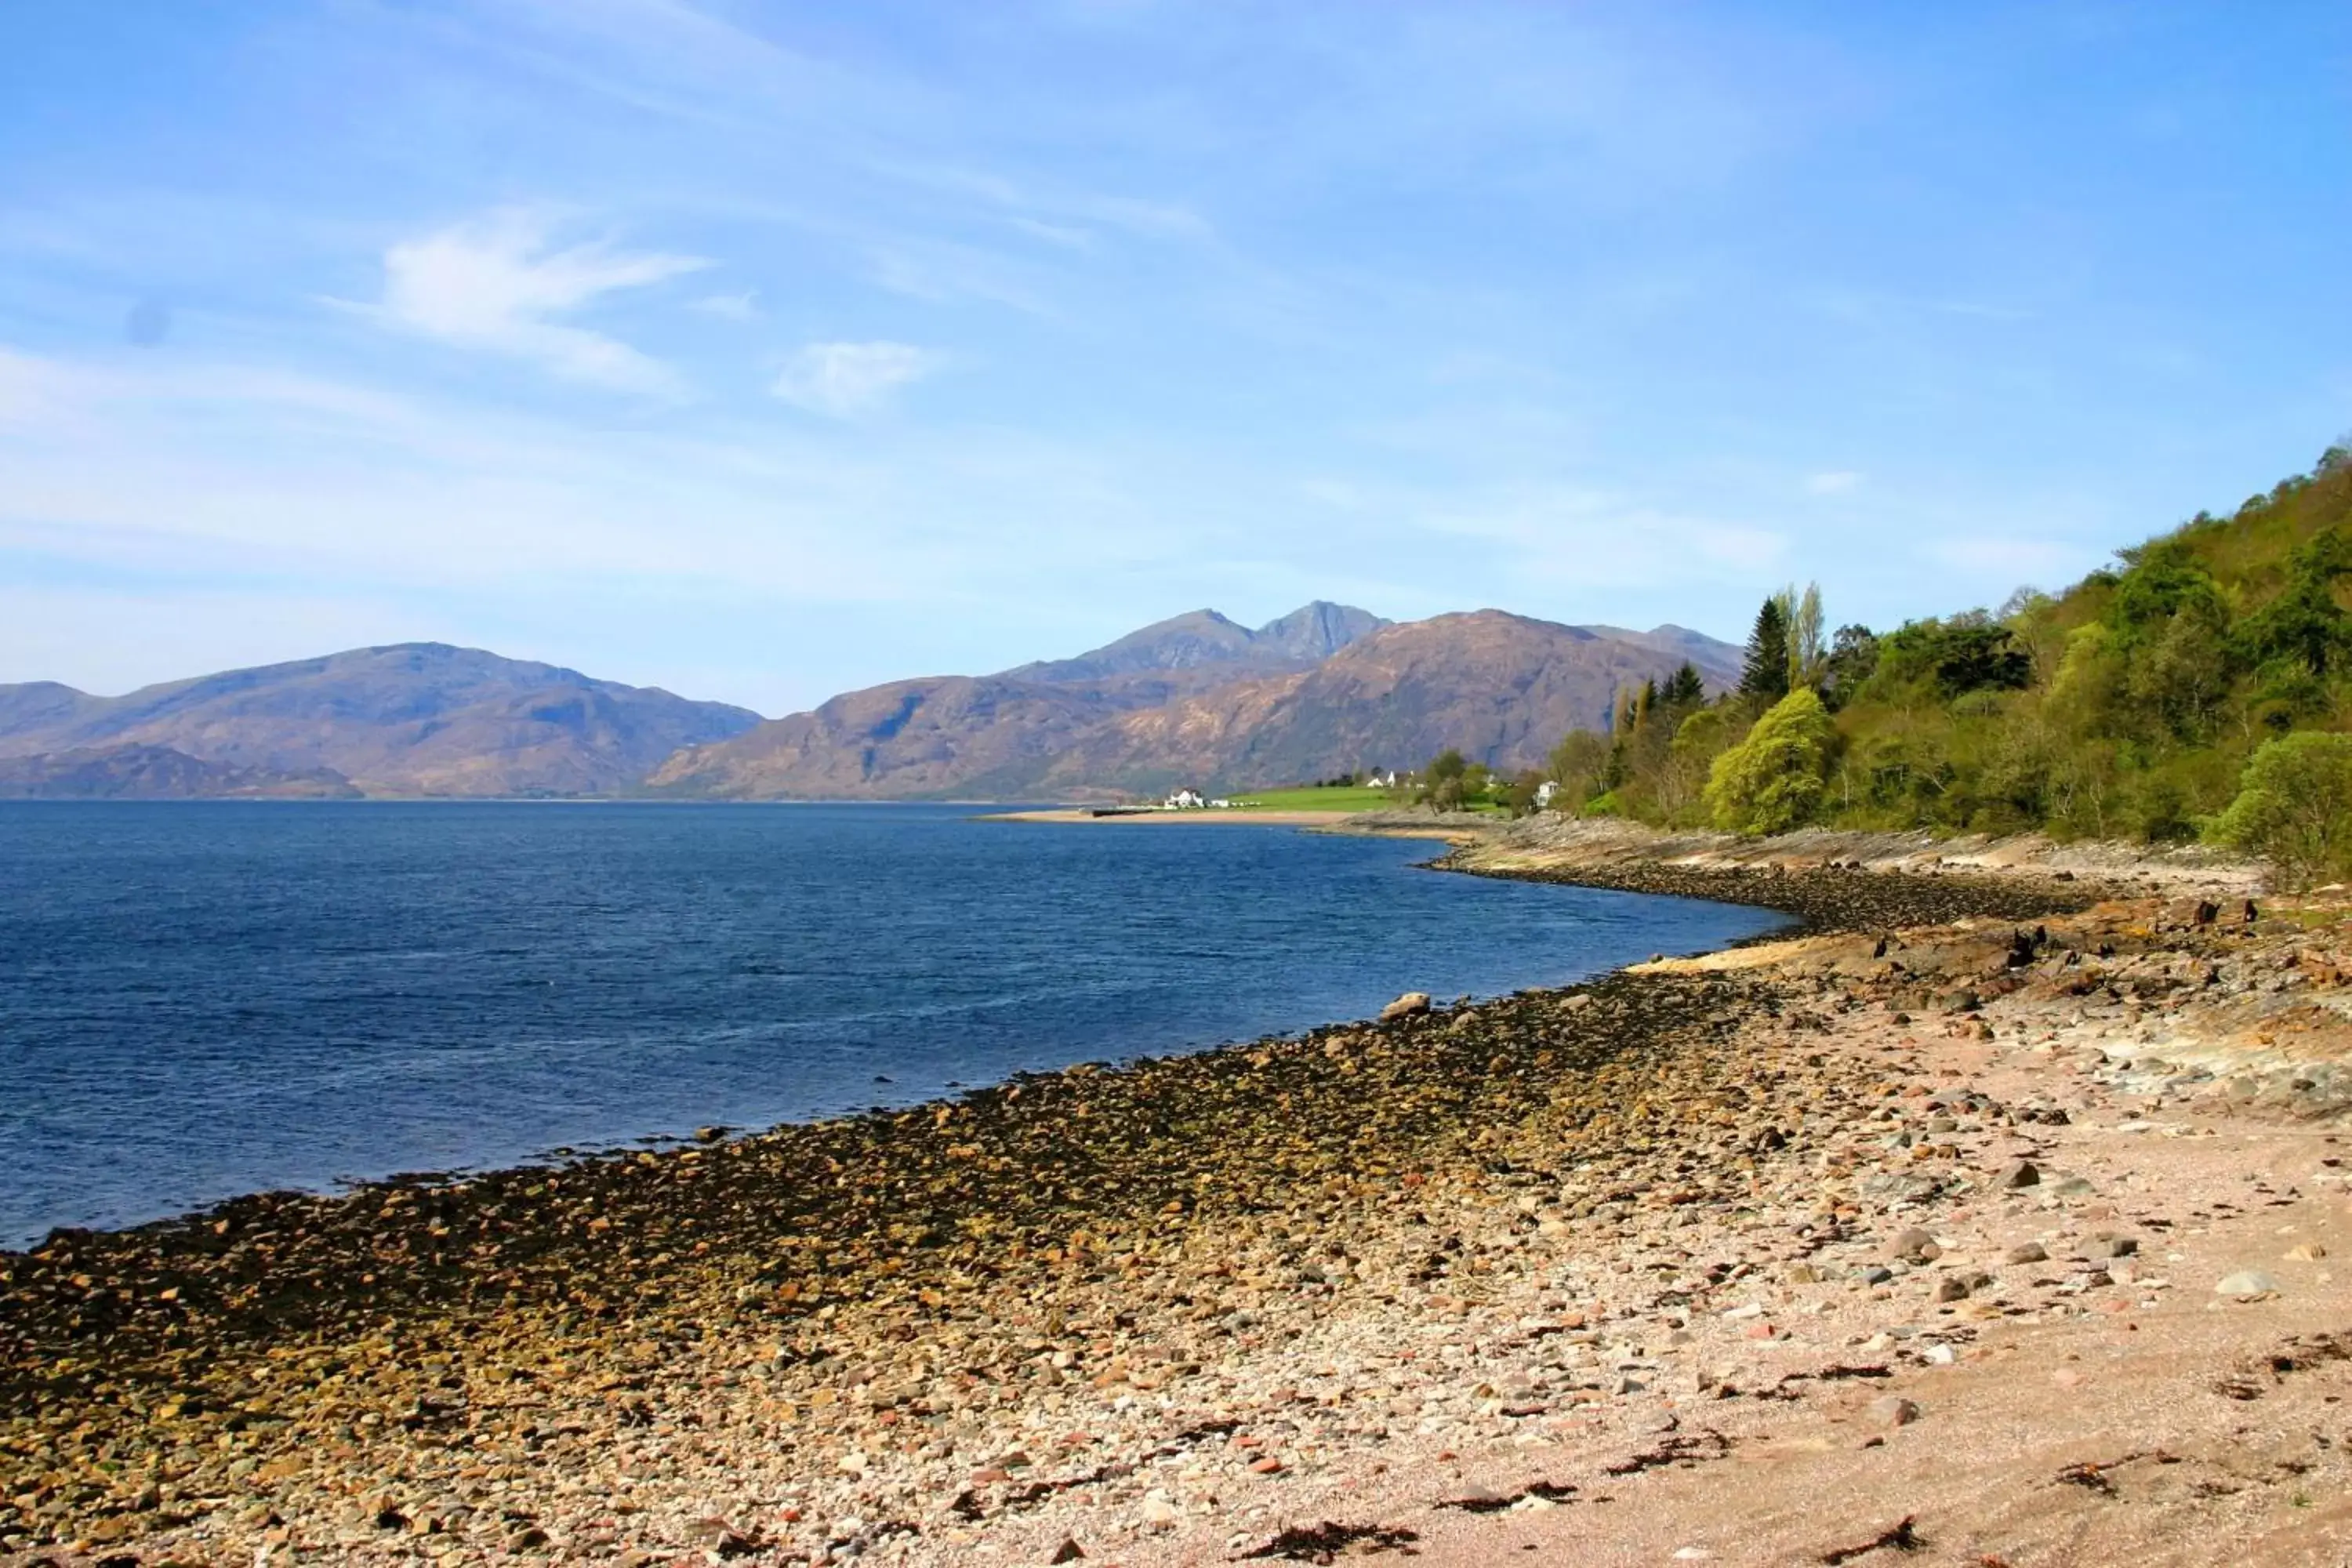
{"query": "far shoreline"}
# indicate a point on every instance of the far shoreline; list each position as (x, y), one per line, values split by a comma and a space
(1092, 814)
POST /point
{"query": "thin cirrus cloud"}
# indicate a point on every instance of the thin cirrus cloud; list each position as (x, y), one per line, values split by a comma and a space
(1836, 482)
(501, 285)
(743, 307)
(847, 380)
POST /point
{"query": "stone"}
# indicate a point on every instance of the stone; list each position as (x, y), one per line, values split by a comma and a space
(1410, 1005)
(1911, 1243)
(1893, 1410)
(2247, 1282)
(1951, 1288)
(2029, 1252)
(1265, 1465)
(2023, 1173)
(2309, 1252)
(1068, 1552)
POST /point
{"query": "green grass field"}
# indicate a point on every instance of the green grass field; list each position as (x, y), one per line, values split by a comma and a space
(1343, 798)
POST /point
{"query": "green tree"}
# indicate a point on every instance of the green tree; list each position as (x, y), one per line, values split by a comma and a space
(1698, 741)
(1802, 612)
(1773, 780)
(2179, 677)
(1684, 688)
(2304, 622)
(1764, 678)
(2294, 805)
(1519, 799)
(1577, 764)
(1452, 782)
(1854, 655)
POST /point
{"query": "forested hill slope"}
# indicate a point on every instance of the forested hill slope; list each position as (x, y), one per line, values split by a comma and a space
(2128, 705)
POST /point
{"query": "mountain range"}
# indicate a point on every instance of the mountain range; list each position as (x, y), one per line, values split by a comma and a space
(415, 719)
(1197, 699)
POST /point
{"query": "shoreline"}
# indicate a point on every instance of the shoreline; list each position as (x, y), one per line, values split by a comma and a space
(1083, 813)
(265, 1332)
(1670, 881)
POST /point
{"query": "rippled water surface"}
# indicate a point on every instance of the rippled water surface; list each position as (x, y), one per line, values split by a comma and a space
(202, 999)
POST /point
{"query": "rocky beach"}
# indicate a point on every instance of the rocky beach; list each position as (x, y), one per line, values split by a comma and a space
(1990, 1218)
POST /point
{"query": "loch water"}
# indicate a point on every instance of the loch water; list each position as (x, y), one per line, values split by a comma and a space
(207, 998)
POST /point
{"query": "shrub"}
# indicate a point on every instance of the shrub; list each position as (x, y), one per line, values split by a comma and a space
(1773, 781)
(2293, 806)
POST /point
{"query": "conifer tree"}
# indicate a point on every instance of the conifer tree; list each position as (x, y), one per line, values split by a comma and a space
(1765, 676)
(1683, 688)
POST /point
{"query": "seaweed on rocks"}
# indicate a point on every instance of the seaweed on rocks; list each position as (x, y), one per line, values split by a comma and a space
(1323, 1542)
(1827, 899)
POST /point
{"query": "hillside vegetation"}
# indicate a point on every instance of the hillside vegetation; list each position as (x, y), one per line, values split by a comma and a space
(2201, 686)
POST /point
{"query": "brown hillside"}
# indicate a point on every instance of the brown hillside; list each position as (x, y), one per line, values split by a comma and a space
(1502, 688)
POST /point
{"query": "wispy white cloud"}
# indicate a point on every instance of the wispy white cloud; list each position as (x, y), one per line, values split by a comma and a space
(743, 307)
(843, 380)
(1833, 483)
(939, 272)
(1067, 236)
(28, 387)
(498, 284)
(1587, 537)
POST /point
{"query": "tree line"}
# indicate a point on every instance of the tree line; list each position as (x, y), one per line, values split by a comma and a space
(2199, 688)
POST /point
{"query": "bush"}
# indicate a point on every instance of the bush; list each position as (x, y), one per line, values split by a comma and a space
(1773, 781)
(2294, 805)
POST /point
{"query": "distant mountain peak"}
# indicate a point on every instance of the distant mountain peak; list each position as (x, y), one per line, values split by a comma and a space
(1198, 639)
(1196, 698)
(1317, 630)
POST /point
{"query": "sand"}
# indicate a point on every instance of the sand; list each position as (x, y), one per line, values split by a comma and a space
(1716, 1260)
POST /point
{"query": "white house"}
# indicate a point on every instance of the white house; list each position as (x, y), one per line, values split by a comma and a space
(1184, 800)
(1544, 791)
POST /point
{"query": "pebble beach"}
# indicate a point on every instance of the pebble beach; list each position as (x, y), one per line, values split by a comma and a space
(1729, 1258)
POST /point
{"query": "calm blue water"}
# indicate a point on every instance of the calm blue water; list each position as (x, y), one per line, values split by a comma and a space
(198, 1000)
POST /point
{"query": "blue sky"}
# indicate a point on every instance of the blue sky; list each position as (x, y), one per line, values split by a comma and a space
(761, 350)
